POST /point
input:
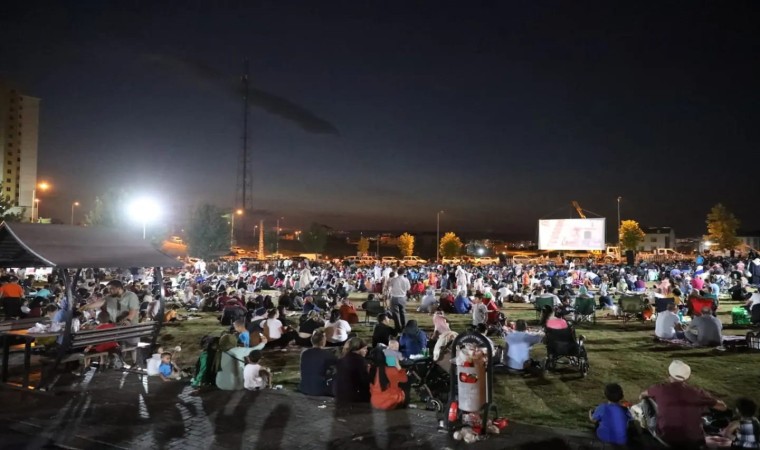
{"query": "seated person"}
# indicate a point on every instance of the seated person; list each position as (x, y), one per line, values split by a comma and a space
(392, 356)
(309, 305)
(429, 303)
(668, 325)
(255, 376)
(745, 432)
(389, 387)
(462, 304)
(705, 330)
(339, 329)
(519, 342)
(277, 335)
(348, 312)
(612, 418)
(351, 383)
(306, 329)
(384, 330)
(552, 319)
(739, 292)
(413, 340)
(167, 370)
(446, 303)
(316, 365)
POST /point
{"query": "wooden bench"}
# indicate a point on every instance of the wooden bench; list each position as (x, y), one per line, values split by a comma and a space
(22, 324)
(86, 338)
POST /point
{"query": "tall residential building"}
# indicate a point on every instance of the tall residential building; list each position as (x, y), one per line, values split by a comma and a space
(19, 120)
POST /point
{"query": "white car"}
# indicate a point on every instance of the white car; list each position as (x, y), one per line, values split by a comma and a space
(486, 260)
(411, 261)
(389, 260)
(450, 261)
(366, 261)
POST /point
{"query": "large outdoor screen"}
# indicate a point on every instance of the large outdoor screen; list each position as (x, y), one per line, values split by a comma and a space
(571, 234)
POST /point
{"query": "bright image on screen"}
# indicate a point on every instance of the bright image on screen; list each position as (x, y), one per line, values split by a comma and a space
(571, 234)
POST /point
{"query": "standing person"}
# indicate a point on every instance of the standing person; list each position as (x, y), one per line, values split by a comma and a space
(479, 310)
(679, 408)
(398, 287)
(12, 295)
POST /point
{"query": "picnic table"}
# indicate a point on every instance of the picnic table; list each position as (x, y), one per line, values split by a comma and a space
(28, 338)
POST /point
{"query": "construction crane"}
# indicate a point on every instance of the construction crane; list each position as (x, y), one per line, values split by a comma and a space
(579, 209)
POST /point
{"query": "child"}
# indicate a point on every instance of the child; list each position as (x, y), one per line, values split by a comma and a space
(612, 418)
(168, 370)
(244, 337)
(255, 376)
(105, 323)
(479, 310)
(392, 356)
(745, 432)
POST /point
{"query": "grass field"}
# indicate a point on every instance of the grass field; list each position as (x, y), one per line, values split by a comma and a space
(622, 353)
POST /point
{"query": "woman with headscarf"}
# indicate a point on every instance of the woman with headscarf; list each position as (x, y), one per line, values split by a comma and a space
(351, 382)
(413, 340)
(389, 386)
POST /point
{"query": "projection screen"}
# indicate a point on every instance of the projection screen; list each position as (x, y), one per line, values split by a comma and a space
(571, 234)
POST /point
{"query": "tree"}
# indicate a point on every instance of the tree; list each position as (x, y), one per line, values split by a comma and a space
(315, 238)
(406, 244)
(721, 227)
(630, 234)
(10, 213)
(108, 210)
(450, 245)
(363, 245)
(208, 233)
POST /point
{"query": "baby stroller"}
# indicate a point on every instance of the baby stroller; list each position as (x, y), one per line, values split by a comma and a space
(430, 382)
(562, 347)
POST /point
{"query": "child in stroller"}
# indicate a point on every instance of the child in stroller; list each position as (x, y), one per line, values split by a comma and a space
(430, 380)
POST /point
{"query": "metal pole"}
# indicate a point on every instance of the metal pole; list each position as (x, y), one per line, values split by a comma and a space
(232, 229)
(277, 238)
(145, 222)
(437, 235)
(34, 197)
(618, 227)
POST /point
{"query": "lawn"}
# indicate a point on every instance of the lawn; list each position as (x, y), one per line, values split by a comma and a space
(622, 353)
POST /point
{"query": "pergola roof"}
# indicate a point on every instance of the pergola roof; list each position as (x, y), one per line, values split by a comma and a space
(65, 246)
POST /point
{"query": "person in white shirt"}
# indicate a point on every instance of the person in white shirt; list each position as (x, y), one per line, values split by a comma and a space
(668, 326)
(398, 287)
(340, 328)
(275, 332)
(255, 376)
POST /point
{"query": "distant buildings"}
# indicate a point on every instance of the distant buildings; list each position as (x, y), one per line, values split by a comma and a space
(749, 238)
(657, 237)
(19, 120)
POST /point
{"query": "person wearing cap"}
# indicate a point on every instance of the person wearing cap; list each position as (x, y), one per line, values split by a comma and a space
(678, 408)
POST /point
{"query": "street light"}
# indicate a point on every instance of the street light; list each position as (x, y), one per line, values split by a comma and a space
(438, 235)
(237, 212)
(618, 199)
(143, 210)
(277, 239)
(72, 211)
(43, 186)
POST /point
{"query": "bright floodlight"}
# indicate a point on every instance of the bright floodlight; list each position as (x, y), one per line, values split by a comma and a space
(144, 210)
(481, 251)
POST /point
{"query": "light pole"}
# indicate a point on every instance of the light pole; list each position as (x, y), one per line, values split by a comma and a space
(143, 210)
(43, 186)
(618, 199)
(37, 205)
(238, 212)
(72, 211)
(438, 235)
(277, 237)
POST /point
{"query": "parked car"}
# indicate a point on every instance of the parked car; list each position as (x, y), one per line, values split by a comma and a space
(365, 261)
(486, 260)
(389, 260)
(411, 261)
(450, 260)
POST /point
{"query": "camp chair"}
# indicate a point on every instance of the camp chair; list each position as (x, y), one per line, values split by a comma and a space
(541, 302)
(631, 306)
(696, 304)
(372, 308)
(585, 309)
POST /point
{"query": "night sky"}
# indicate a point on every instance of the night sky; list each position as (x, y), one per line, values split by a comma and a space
(499, 114)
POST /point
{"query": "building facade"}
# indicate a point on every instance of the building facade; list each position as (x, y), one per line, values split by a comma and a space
(657, 237)
(19, 122)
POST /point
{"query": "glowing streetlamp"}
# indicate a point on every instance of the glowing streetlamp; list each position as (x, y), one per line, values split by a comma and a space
(144, 210)
(237, 212)
(43, 186)
(72, 211)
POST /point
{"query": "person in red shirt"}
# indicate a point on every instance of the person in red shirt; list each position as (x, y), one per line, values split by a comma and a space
(348, 312)
(680, 408)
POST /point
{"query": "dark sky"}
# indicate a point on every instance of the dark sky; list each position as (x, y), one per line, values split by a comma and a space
(497, 112)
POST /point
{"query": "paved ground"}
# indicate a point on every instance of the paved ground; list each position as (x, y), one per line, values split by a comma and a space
(122, 410)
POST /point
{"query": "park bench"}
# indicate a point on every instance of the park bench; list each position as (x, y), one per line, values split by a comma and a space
(21, 324)
(123, 335)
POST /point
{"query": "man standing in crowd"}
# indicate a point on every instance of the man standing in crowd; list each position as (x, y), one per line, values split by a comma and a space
(398, 287)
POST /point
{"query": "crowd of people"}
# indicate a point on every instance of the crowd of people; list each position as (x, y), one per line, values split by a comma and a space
(311, 312)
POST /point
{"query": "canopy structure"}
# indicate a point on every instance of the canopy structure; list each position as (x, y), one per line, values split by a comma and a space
(74, 247)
